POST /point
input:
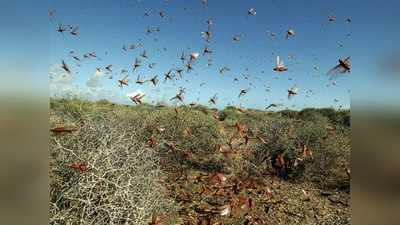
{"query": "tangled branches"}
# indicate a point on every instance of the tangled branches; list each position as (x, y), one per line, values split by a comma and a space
(125, 187)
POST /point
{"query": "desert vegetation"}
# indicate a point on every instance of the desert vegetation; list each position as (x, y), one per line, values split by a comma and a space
(124, 164)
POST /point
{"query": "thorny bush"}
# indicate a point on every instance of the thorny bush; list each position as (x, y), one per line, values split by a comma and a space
(124, 183)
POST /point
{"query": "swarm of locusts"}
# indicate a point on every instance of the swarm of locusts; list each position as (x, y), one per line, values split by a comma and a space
(213, 195)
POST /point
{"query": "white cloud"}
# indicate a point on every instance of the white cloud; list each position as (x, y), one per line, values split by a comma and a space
(146, 98)
(54, 69)
(97, 93)
(57, 75)
(61, 90)
(92, 93)
(63, 78)
(95, 80)
(138, 91)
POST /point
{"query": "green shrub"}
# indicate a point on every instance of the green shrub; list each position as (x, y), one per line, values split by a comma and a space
(200, 145)
(285, 137)
(333, 153)
(280, 141)
(337, 118)
(229, 114)
(204, 109)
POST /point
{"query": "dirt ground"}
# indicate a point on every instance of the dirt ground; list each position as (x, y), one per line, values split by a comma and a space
(286, 203)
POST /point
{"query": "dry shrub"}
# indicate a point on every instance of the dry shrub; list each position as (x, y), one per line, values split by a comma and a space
(128, 172)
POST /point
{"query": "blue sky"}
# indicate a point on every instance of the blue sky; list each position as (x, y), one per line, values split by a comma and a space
(106, 26)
